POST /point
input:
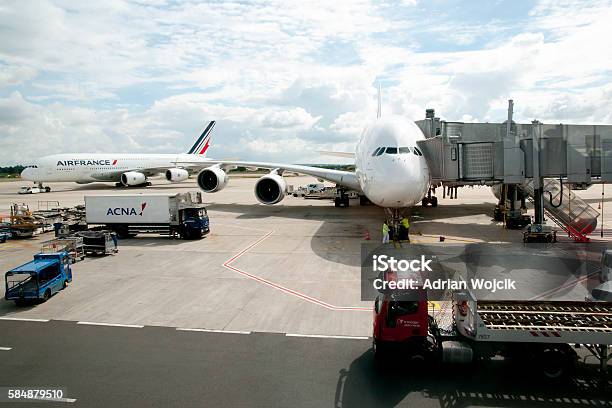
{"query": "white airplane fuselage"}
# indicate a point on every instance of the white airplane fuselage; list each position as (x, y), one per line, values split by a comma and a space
(389, 179)
(92, 167)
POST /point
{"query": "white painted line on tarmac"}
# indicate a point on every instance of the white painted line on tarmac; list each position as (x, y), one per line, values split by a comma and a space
(324, 336)
(61, 399)
(6, 348)
(53, 399)
(215, 331)
(23, 319)
(134, 326)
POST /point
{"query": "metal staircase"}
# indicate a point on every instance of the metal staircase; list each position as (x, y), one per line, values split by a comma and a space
(570, 212)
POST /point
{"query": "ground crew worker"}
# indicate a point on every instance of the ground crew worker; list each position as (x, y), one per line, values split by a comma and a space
(385, 233)
(406, 225)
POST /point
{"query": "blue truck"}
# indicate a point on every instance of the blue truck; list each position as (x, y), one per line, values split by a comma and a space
(38, 279)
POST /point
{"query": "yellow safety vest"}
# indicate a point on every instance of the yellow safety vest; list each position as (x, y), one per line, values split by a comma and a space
(405, 223)
(385, 229)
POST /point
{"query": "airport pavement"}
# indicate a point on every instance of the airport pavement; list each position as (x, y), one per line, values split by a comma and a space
(288, 268)
(102, 366)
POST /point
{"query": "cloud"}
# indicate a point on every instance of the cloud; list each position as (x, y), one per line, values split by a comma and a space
(286, 78)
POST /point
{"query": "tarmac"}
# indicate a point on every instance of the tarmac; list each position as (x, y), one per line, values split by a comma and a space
(292, 268)
(99, 366)
(264, 311)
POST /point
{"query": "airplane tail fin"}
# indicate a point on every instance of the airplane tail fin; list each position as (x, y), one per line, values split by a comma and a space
(201, 145)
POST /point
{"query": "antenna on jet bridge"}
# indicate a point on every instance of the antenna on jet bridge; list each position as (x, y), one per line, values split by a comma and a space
(379, 102)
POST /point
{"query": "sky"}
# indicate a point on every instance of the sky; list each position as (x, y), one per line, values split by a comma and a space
(285, 79)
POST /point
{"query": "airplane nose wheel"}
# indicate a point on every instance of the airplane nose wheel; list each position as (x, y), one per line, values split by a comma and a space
(430, 199)
(43, 188)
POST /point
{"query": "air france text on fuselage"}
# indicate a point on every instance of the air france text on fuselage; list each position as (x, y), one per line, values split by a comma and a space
(84, 163)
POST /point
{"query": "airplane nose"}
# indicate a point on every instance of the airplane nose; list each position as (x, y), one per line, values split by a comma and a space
(26, 174)
(397, 185)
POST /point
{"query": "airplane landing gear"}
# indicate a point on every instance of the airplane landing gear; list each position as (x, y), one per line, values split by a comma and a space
(430, 200)
(43, 188)
(398, 233)
(342, 199)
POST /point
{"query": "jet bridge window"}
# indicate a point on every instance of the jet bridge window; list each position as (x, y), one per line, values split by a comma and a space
(391, 150)
(404, 150)
(417, 151)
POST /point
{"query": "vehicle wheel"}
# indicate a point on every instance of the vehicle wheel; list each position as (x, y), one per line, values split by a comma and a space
(46, 295)
(122, 232)
(363, 200)
(434, 201)
(337, 202)
(555, 363)
(379, 349)
(424, 202)
(346, 201)
(47, 189)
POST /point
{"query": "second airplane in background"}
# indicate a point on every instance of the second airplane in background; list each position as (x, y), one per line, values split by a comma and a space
(122, 168)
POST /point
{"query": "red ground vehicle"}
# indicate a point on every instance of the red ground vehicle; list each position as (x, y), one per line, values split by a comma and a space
(541, 333)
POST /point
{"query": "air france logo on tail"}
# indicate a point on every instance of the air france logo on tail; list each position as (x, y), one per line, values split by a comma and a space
(202, 144)
(126, 211)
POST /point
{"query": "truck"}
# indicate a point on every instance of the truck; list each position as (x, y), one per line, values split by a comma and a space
(38, 279)
(311, 188)
(543, 334)
(181, 214)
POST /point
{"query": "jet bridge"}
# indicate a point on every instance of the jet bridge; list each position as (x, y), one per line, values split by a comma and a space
(539, 159)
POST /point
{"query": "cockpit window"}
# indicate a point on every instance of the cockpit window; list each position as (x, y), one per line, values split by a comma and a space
(380, 151)
(404, 150)
(391, 150)
(376, 152)
(33, 166)
(417, 151)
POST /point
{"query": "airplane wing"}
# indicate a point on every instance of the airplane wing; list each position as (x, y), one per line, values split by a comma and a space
(346, 179)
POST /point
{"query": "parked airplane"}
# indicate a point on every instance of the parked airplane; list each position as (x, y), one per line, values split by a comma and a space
(124, 169)
(390, 170)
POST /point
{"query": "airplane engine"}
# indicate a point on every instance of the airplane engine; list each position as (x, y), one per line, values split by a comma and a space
(270, 189)
(212, 179)
(176, 175)
(133, 178)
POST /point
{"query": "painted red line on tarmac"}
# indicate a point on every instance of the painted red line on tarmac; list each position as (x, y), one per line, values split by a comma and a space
(282, 288)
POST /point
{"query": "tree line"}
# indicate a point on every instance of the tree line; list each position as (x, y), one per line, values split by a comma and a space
(11, 171)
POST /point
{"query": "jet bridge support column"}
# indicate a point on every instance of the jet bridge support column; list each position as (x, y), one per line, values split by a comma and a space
(538, 231)
(506, 209)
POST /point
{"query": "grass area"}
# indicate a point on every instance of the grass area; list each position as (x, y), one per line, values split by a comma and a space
(9, 177)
